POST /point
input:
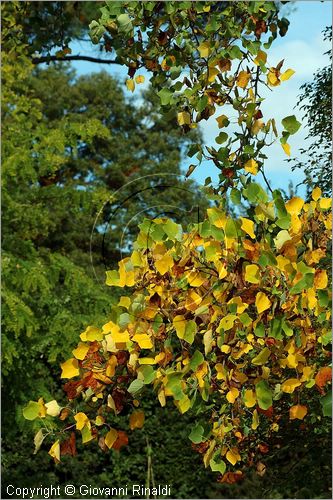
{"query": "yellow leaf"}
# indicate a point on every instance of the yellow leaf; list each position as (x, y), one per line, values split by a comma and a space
(255, 420)
(81, 420)
(257, 126)
(212, 73)
(195, 278)
(143, 340)
(52, 408)
(70, 368)
(272, 77)
(261, 57)
(55, 451)
(281, 238)
(38, 439)
(292, 361)
(233, 456)
(307, 373)
(243, 79)
(249, 398)
(262, 357)
(137, 420)
(81, 351)
(42, 408)
(325, 203)
(130, 85)
(221, 371)
(164, 263)
(252, 273)
(111, 366)
(86, 433)
(287, 74)
(227, 322)
(221, 269)
(320, 279)
(232, 395)
(290, 385)
(161, 397)
(139, 79)
(204, 49)
(262, 302)
(184, 118)
(184, 404)
(241, 306)
(222, 121)
(126, 273)
(295, 205)
(99, 420)
(316, 193)
(226, 349)
(111, 438)
(251, 166)
(209, 453)
(120, 337)
(286, 148)
(147, 361)
(298, 411)
(248, 227)
(208, 341)
(179, 323)
(90, 334)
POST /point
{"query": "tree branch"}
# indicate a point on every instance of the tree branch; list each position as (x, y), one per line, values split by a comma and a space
(48, 59)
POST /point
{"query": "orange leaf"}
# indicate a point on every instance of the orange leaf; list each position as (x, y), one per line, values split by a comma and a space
(323, 376)
(298, 411)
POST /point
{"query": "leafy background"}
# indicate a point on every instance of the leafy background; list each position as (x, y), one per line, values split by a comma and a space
(67, 143)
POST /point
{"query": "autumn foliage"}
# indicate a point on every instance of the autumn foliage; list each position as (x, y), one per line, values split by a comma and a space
(228, 317)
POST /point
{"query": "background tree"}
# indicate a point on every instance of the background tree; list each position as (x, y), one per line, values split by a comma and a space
(57, 155)
(316, 103)
(68, 143)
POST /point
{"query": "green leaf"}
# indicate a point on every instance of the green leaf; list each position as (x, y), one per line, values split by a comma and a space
(196, 434)
(259, 331)
(217, 466)
(196, 360)
(291, 124)
(221, 138)
(173, 230)
(264, 395)
(175, 386)
(303, 284)
(231, 229)
(190, 331)
(262, 357)
(166, 96)
(202, 103)
(135, 386)
(235, 196)
(31, 411)
(124, 22)
(148, 373)
(276, 328)
(284, 222)
(326, 404)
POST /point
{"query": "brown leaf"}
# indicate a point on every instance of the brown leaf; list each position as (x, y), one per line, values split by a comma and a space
(122, 440)
(68, 447)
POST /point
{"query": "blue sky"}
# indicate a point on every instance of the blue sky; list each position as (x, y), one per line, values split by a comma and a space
(302, 49)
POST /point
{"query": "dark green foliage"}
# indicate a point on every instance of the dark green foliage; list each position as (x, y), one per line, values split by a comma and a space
(46, 26)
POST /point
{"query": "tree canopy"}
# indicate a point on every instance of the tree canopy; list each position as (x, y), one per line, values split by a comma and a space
(222, 317)
(228, 317)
